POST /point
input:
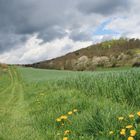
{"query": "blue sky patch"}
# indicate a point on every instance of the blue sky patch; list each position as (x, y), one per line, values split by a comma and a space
(101, 29)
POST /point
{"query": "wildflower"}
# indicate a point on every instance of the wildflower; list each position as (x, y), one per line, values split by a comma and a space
(58, 119)
(75, 110)
(133, 132)
(129, 126)
(66, 132)
(111, 132)
(130, 138)
(65, 138)
(138, 113)
(120, 118)
(122, 132)
(62, 124)
(70, 113)
(63, 117)
(131, 116)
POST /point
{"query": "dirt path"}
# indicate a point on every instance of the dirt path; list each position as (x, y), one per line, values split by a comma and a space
(15, 122)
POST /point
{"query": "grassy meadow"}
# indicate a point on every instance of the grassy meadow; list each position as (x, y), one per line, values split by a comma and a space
(63, 105)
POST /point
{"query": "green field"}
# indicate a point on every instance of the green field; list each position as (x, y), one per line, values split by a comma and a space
(34, 104)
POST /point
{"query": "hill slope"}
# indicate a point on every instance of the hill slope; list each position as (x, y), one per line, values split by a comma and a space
(113, 53)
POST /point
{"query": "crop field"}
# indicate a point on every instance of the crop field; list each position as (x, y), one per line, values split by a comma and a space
(63, 105)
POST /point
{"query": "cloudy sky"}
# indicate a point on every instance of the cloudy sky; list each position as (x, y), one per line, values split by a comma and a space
(35, 30)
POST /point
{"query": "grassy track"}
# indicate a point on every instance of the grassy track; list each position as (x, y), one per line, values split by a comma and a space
(15, 123)
(34, 99)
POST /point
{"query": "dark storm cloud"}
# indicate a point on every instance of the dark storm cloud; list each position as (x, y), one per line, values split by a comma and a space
(49, 18)
(9, 41)
(26, 17)
(12, 17)
(104, 7)
(51, 33)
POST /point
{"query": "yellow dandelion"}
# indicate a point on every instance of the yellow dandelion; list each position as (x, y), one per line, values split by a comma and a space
(131, 116)
(122, 132)
(111, 133)
(62, 124)
(66, 132)
(63, 117)
(75, 110)
(65, 138)
(130, 138)
(58, 119)
(133, 132)
(129, 126)
(138, 113)
(70, 113)
(120, 118)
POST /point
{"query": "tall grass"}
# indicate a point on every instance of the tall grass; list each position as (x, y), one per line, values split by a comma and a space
(119, 86)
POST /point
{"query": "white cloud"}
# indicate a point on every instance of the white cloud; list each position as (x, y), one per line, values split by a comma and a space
(128, 24)
(35, 50)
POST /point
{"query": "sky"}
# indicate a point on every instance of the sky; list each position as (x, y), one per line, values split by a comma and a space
(36, 30)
